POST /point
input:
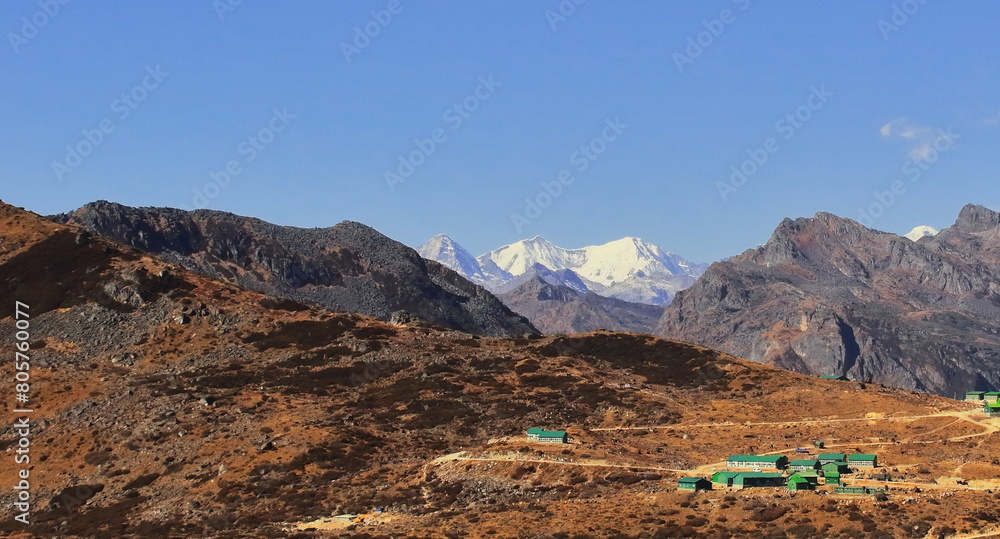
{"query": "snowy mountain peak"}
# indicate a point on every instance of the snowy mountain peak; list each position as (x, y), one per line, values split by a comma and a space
(446, 251)
(627, 268)
(921, 232)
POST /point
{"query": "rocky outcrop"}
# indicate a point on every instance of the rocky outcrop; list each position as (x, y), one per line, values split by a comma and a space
(553, 308)
(826, 295)
(347, 267)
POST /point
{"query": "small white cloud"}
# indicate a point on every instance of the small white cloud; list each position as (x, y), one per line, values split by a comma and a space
(992, 120)
(888, 129)
(922, 137)
(915, 132)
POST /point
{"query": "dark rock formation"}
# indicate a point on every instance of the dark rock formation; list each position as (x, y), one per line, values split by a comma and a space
(554, 308)
(347, 267)
(828, 296)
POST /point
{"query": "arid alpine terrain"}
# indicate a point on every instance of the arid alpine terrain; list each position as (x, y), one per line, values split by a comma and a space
(168, 403)
(827, 296)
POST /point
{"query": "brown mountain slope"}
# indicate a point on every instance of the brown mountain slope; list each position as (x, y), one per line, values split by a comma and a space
(829, 296)
(169, 404)
(348, 267)
(559, 309)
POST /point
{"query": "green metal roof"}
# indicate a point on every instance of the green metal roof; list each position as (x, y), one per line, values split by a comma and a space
(547, 433)
(755, 458)
(761, 475)
(831, 456)
(723, 476)
(796, 479)
(975, 392)
(992, 405)
(803, 462)
(992, 393)
(691, 479)
(832, 376)
(861, 457)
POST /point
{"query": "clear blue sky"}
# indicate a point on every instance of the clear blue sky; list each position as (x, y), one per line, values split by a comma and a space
(557, 84)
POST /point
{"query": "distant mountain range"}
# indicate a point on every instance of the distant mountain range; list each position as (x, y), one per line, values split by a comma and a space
(621, 285)
(825, 295)
(628, 269)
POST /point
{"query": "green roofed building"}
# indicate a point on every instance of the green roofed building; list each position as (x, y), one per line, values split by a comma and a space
(991, 396)
(810, 476)
(803, 465)
(830, 457)
(831, 478)
(840, 377)
(773, 462)
(862, 460)
(694, 483)
(724, 478)
(975, 396)
(758, 479)
(992, 409)
(536, 434)
(839, 467)
(795, 482)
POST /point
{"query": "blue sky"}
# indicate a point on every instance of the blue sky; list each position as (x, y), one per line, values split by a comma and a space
(821, 104)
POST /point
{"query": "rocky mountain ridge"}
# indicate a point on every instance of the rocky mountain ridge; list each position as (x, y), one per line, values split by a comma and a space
(554, 308)
(348, 267)
(825, 295)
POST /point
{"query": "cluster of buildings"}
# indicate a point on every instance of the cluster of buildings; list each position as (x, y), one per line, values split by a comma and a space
(751, 471)
(989, 399)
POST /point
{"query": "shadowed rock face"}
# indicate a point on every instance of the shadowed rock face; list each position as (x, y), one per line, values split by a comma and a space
(828, 296)
(347, 267)
(554, 308)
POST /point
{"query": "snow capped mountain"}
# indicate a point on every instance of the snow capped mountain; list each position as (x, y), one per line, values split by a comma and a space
(628, 269)
(920, 232)
(444, 250)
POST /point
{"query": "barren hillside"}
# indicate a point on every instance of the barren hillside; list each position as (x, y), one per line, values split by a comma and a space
(170, 404)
